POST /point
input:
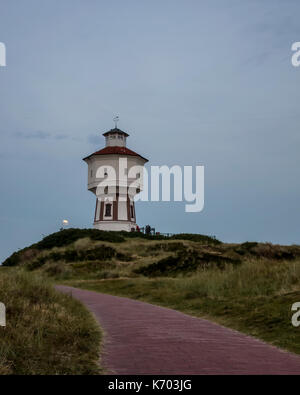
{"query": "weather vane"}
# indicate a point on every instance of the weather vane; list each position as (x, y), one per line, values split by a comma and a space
(116, 120)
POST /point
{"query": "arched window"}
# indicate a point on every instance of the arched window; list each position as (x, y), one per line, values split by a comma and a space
(106, 190)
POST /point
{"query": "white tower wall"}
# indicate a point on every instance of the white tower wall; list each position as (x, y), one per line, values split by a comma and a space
(115, 176)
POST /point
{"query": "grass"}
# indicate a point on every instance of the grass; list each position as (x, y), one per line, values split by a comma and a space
(47, 332)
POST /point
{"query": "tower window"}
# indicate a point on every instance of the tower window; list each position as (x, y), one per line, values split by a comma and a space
(131, 211)
(108, 210)
(106, 190)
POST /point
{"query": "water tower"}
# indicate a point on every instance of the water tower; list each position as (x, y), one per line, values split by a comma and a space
(115, 176)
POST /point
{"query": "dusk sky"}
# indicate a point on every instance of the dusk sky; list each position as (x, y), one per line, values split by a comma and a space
(194, 83)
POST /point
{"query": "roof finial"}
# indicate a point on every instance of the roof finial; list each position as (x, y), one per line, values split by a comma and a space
(116, 120)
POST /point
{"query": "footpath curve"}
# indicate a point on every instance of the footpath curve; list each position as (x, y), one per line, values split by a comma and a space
(141, 338)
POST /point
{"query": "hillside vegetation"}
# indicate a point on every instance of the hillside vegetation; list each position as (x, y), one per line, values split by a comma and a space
(47, 332)
(250, 286)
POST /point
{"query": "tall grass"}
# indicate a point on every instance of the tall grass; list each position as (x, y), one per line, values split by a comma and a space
(252, 278)
(46, 332)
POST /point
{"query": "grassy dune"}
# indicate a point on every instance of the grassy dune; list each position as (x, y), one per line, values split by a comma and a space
(46, 332)
(250, 287)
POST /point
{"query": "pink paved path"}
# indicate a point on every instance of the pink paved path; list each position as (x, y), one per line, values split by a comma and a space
(141, 338)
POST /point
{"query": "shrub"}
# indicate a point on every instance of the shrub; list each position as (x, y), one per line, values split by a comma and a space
(133, 235)
(184, 262)
(13, 260)
(68, 236)
(268, 251)
(63, 238)
(196, 237)
(165, 247)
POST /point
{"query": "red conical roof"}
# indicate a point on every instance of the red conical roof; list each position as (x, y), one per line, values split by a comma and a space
(116, 150)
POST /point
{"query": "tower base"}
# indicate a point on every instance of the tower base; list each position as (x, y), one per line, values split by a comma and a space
(116, 226)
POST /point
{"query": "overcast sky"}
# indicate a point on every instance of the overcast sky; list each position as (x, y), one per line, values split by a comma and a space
(194, 82)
